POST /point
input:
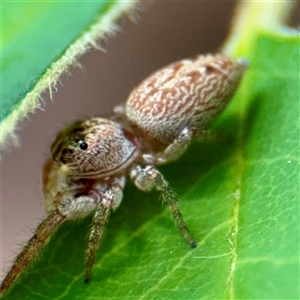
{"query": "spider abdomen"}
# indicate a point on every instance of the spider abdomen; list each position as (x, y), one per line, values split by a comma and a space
(188, 93)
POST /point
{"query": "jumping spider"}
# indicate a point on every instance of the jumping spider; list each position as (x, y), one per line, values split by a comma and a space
(90, 159)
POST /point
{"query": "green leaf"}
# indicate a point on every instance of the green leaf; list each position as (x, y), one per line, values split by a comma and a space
(240, 199)
(41, 41)
(266, 213)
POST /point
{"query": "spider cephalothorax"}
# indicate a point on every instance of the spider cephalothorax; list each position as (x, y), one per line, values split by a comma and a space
(94, 148)
(90, 159)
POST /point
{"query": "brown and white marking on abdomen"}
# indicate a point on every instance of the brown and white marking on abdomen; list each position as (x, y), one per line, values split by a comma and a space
(190, 92)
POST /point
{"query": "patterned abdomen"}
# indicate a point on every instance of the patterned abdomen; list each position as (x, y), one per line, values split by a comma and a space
(191, 92)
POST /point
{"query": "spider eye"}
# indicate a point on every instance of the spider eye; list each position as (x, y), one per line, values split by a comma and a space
(65, 152)
(83, 145)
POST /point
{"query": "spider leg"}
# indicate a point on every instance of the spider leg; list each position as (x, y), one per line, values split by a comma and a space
(111, 199)
(179, 145)
(208, 136)
(148, 178)
(173, 151)
(29, 252)
(69, 207)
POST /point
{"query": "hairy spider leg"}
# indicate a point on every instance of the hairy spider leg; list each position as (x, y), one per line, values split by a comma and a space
(179, 145)
(29, 252)
(172, 151)
(148, 178)
(70, 206)
(111, 199)
(100, 219)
